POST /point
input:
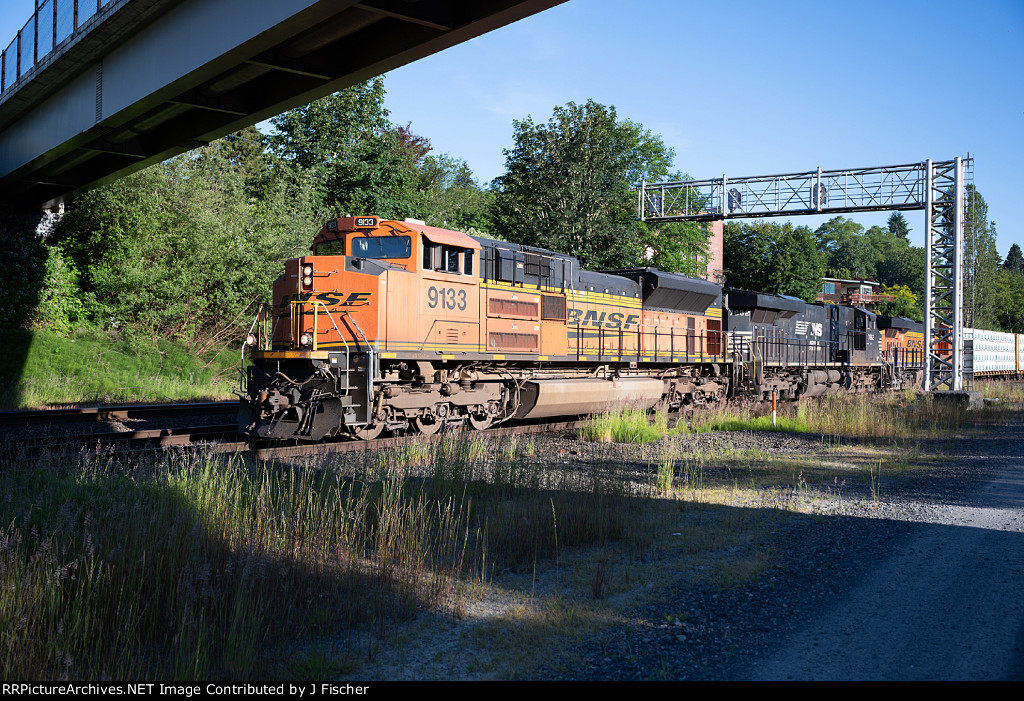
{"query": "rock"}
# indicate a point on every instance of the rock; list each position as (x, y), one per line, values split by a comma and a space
(960, 398)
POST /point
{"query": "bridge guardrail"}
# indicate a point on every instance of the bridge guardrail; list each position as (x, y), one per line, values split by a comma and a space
(52, 22)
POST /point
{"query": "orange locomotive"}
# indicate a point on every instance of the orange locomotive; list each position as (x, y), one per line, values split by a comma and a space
(902, 345)
(399, 325)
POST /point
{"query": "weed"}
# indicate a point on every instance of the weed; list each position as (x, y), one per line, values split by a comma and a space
(625, 426)
(597, 587)
(666, 475)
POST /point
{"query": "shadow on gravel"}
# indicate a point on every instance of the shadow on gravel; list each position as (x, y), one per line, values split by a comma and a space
(849, 598)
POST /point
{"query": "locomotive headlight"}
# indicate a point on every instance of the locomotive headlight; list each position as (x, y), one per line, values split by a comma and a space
(306, 339)
(307, 269)
(250, 340)
(307, 281)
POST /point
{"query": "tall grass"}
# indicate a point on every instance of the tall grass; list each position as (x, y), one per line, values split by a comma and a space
(197, 566)
(625, 425)
(902, 415)
(1005, 391)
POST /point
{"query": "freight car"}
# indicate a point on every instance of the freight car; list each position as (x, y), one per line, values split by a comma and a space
(994, 353)
(396, 325)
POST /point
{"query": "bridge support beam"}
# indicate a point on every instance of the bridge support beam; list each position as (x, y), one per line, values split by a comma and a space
(134, 88)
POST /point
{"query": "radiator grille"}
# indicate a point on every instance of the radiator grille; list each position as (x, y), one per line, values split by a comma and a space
(512, 341)
(552, 308)
(512, 307)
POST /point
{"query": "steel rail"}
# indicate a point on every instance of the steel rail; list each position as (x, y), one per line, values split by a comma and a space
(36, 417)
(156, 437)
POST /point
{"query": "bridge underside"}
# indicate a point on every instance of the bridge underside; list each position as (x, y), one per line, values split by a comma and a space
(176, 74)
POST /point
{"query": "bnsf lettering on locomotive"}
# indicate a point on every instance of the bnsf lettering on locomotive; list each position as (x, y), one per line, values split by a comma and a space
(614, 320)
(330, 299)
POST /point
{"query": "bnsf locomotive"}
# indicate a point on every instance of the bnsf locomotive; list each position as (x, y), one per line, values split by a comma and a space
(395, 325)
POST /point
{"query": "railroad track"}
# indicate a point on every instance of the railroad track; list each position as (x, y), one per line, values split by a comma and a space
(46, 417)
(150, 438)
(223, 438)
(220, 438)
(266, 452)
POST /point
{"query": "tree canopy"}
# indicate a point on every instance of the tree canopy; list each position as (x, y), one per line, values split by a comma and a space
(898, 225)
(770, 257)
(352, 151)
(569, 182)
(1014, 259)
(981, 260)
(197, 240)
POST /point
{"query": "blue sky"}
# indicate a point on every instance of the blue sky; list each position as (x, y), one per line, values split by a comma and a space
(742, 88)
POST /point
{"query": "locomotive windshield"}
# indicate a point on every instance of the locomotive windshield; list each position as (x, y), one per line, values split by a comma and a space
(382, 247)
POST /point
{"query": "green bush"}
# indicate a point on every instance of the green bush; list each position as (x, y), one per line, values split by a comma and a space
(185, 249)
(24, 257)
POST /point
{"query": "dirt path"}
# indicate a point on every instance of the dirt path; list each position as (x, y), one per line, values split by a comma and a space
(949, 604)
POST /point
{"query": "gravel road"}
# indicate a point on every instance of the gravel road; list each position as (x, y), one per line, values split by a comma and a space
(946, 603)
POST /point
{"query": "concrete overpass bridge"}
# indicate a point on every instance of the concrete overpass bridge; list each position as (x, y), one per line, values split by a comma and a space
(91, 90)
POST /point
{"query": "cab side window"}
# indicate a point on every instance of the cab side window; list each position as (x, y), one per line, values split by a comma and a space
(447, 259)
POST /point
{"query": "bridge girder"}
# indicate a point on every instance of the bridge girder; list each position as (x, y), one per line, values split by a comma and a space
(145, 80)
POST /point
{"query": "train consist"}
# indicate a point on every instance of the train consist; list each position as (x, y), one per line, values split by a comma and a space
(393, 325)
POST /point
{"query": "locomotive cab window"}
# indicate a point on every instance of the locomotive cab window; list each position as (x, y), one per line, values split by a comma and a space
(382, 247)
(447, 259)
(330, 248)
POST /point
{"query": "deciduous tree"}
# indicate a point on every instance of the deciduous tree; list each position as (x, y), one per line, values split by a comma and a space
(354, 153)
(770, 257)
(568, 184)
(905, 304)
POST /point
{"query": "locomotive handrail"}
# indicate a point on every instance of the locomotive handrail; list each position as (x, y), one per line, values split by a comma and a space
(316, 316)
(372, 361)
(245, 342)
(318, 303)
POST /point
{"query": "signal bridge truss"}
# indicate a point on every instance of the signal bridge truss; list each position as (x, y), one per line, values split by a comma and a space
(938, 187)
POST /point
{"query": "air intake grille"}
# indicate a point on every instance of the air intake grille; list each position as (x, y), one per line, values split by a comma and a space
(512, 341)
(512, 307)
(552, 308)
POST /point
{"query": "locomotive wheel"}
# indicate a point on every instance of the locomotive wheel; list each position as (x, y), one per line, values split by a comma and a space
(368, 432)
(480, 424)
(427, 428)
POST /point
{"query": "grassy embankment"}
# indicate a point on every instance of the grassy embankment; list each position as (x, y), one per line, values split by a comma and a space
(40, 368)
